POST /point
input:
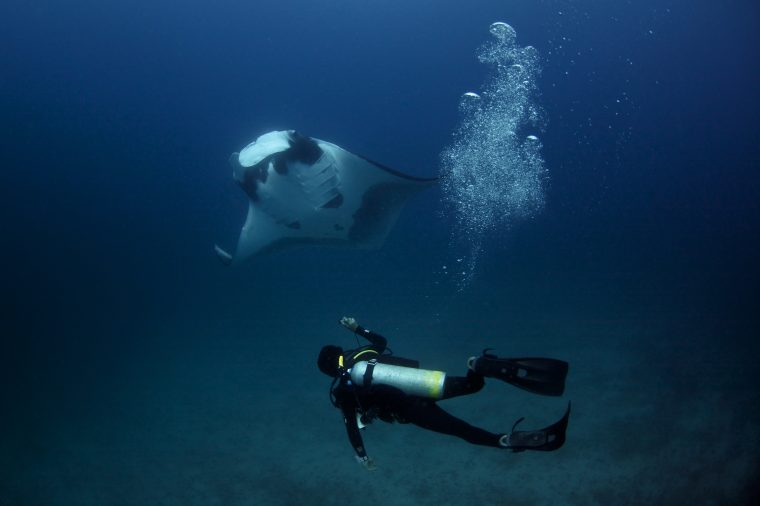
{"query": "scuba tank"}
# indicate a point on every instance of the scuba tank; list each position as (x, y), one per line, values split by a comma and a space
(418, 382)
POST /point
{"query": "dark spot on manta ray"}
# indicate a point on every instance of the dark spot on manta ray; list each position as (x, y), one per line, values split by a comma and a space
(303, 149)
(259, 172)
(295, 224)
(255, 175)
(335, 202)
(280, 165)
(248, 184)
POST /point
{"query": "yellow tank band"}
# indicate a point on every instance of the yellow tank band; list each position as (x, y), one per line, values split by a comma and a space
(435, 382)
(340, 361)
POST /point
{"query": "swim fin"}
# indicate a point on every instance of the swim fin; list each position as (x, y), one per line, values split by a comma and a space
(547, 439)
(545, 376)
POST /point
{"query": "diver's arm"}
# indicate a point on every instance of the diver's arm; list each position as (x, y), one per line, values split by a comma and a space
(379, 343)
(354, 436)
(348, 408)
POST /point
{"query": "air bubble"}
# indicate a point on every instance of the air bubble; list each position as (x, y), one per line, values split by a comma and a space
(502, 31)
(495, 173)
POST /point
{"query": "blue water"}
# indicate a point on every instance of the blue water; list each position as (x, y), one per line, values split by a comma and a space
(136, 369)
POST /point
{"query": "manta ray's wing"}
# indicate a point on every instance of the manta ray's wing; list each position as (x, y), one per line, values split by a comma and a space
(306, 191)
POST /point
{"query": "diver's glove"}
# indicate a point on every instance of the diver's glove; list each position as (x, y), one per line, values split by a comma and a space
(350, 323)
(367, 462)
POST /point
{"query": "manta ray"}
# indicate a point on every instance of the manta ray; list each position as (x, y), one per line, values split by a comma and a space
(304, 191)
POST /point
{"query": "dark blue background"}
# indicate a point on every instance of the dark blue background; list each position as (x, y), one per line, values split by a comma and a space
(118, 118)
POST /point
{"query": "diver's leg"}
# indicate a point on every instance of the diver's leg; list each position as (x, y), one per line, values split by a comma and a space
(427, 414)
(455, 386)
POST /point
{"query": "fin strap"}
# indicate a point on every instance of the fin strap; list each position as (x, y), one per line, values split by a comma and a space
(514, 426)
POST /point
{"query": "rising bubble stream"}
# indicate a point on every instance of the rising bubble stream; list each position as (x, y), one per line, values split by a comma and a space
(493, 171)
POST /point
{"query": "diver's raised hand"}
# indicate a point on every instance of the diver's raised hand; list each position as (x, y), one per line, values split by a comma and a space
(350, 323)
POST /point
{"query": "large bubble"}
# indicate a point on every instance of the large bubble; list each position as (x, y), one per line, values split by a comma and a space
(493, 171)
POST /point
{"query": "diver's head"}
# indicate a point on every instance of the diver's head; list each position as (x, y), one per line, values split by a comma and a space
(328, 360)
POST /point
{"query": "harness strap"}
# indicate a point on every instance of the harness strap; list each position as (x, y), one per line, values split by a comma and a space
(367, 379)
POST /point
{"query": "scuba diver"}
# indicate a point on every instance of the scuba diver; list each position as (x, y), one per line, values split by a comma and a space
(370, 382)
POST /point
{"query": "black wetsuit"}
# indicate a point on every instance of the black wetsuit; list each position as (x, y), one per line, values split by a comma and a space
(391, 404)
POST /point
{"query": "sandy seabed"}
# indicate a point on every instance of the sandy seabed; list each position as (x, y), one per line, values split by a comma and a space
(219, 422)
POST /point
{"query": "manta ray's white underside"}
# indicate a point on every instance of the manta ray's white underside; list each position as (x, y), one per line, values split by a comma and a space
(306, 191)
